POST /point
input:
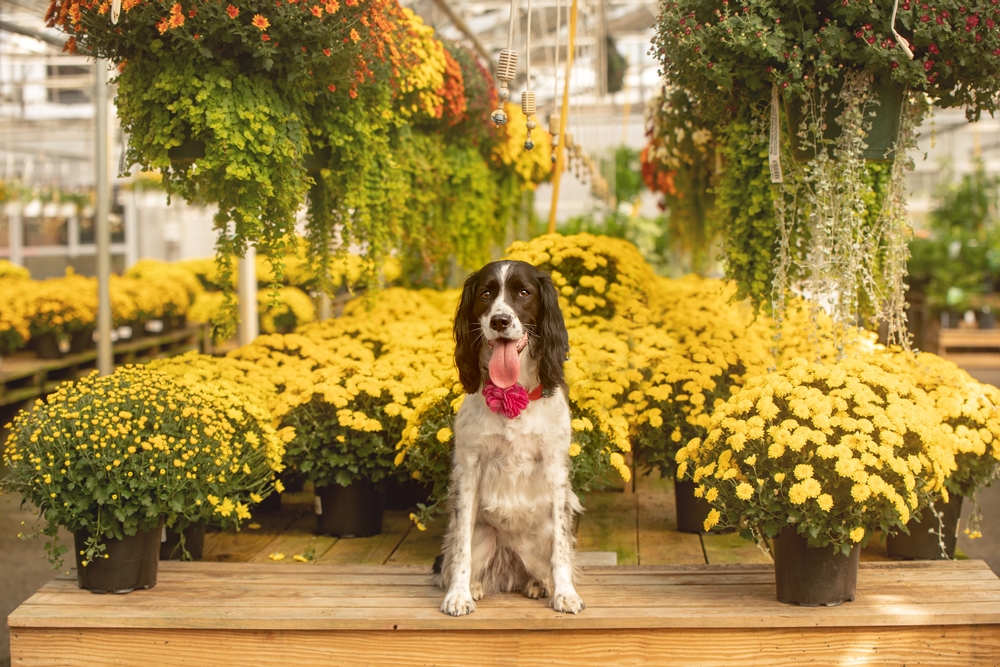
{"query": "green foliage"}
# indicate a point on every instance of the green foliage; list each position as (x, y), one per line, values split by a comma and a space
(961, 256)
(728, 52)
(744, 200)
(628, 178)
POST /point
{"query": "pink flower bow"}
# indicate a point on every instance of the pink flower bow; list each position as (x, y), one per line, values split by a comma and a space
(509, 402)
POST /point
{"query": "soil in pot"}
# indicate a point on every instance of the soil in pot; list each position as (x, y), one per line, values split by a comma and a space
(349, 511)
(813, 576)
(929, 539)
(132, 562)
(194, 542)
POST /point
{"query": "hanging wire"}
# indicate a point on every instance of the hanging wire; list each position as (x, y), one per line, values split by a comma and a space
(506, 69)
(528, 96)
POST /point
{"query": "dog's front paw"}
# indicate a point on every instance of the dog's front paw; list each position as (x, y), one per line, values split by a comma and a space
(477, 590)
(536, 589)
(458, 604)
(570, 603)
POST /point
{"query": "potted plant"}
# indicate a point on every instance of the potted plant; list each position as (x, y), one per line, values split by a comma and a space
(15, 294)
(111, 459)
(60, 307)
(253, 446)
(970, 424)
(816, 457)
(821, 72)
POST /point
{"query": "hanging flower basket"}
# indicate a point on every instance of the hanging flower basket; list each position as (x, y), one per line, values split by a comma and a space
(886, 105)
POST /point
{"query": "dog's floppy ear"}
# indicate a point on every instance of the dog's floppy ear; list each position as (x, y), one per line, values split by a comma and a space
(467, 347)
(552, 335)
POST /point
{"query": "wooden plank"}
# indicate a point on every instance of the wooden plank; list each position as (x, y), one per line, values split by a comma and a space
(420, 547)
(726, 548)
(299, 539)
(969, 338)
(239, 546)
(374, 550)
(609, 524)
(943, 646)
(658, 541)
(973, 359)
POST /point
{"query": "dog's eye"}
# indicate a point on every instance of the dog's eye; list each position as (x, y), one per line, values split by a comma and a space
(524, 293)
(484, 295)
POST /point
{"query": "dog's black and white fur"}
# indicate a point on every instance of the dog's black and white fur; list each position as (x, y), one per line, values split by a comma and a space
(510, 501)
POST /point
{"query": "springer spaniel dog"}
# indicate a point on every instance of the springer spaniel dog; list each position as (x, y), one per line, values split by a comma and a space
(510, 502)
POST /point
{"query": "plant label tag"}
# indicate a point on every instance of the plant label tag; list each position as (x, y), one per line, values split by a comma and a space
(318, 504)
(774, 143)
(163, 535)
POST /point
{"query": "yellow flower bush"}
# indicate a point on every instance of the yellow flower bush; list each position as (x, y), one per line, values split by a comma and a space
(15, 316)
(62, 305)
(117, 454)
(11, 270)
(531, 167)
(420, 87)
(970, 418)
(292, 308)
(164, 274)
(596, 276)
(835, 451)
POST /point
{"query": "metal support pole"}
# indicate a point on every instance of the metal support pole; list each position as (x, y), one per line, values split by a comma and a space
(247, 295)
(102, 232)
(563, 120)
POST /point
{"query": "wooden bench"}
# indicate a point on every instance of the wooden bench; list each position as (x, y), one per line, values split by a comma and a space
(205, 614)
(970, 348)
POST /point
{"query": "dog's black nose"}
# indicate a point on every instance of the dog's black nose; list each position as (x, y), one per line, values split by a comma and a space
(500, 322)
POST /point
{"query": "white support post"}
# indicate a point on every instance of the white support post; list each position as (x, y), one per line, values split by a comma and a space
(102, 232)
(247, 294)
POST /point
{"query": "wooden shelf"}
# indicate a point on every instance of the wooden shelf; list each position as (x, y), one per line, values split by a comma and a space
(942, 613)
(970, 348)
(25, 377)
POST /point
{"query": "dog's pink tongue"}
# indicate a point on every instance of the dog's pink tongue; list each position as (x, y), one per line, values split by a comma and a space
(505, 365)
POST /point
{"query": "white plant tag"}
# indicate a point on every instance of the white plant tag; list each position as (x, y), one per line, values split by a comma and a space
(774, 144)
(318, 504)
(903, 44)
(116, 10)
(163, 534)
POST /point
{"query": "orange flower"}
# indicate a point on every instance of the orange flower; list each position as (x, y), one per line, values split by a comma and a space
(353, 93)
(316, 10)
(129, 4)
(332, 7)
(332, 88)
(232, 11)
(176, 20)
(162, 25)
(265, 37)
(354, 35)
(326, 52)
(260, 22)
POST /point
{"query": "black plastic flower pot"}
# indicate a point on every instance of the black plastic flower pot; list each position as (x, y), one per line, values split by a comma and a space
(354, 510)
(882, 134)
(691, 511)
(132, 562)
(813, 576)
(272, 503)
(81, 341)
(401, 495)
(46, 346)
(194, 542)
(929, 539)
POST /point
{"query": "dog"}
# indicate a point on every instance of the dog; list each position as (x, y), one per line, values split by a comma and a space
(511, 506)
